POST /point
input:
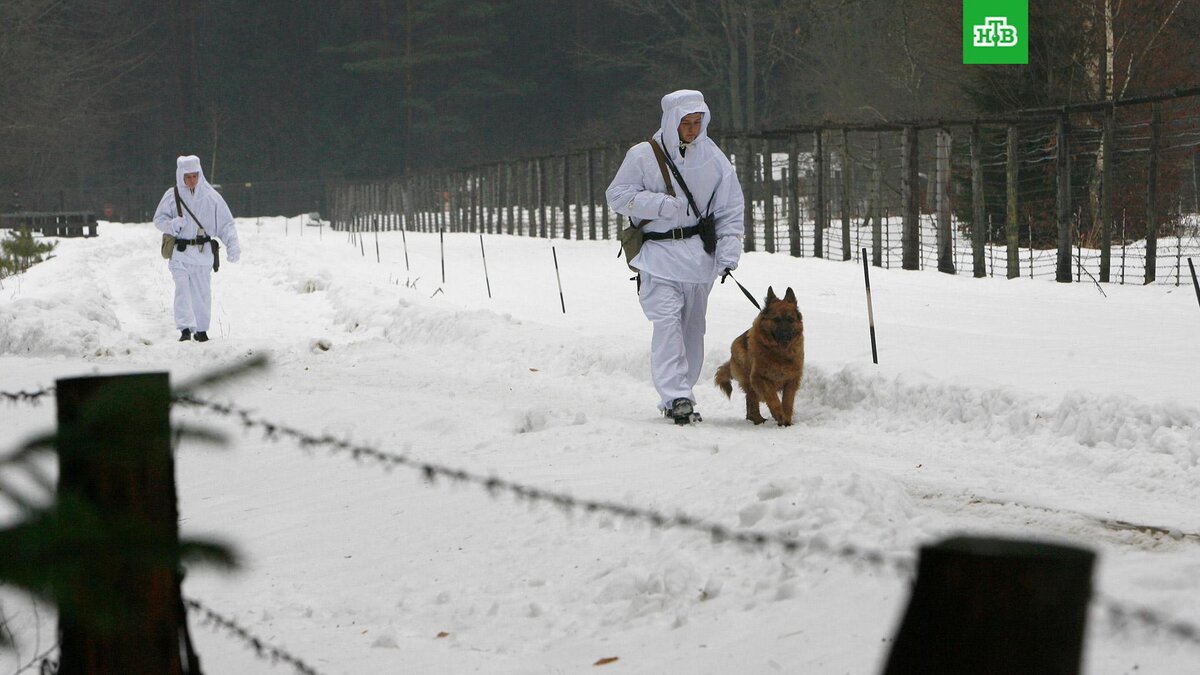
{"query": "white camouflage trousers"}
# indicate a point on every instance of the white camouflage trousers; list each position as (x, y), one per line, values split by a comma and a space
(677, 310)
(193, 296)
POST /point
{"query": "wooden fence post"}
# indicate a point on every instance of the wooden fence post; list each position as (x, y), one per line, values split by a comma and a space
(979, 229)
(821, 214)
(750, 163)
(566, 197)
(845, 190)
(910, 191)
(877, 201)
(995, 607)
(944, 239)
(1011, 226)
(794, 246)
(1152, 196)
(1062, 166)
(114, 448)
(768, 198)
(1108, 155)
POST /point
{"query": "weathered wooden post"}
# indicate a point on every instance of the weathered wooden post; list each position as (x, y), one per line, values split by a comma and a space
(1152, 195)
(114, 448)
(877, 202)
(794, 245)
(1011, 227)
(768, 198)
(944, 235)
(566, 197)
(821, 214)
(995, 607)
(845, 190)
(910, 197)
(748, 176)
(979, 229)
(591, 195)
(1062, 165)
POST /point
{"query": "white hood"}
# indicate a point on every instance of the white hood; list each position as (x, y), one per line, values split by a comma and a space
(676, 105)
(191, 164)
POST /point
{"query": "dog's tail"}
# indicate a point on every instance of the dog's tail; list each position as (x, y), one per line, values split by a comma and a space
(724, 380)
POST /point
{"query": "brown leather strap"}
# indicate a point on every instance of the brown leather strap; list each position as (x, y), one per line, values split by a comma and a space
(662, 165)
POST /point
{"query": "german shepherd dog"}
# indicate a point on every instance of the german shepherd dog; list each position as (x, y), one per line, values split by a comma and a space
(768, 359)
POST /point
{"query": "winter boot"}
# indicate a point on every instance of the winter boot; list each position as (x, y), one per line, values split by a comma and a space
(682, 411)
(201, 336)
(185, 335)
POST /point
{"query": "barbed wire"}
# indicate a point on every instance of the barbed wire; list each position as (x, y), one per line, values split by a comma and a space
(33, 397)
(263, 650)
(719, 534)
(1122, 616)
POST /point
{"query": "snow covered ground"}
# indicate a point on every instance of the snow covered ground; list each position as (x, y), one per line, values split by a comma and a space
(1018, 408)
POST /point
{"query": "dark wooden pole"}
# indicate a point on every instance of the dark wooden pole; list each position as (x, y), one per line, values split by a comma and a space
(794, 196)
(877, 202)
(768, 198)
(910, 191)
(819, 194)
(1109, 157)
(1062, 268)
(945, 246)
(1152, 196)
(114, 448)
(750, 164)
(844, 202)
(1011, 227)
(979, 229)
(995, 607)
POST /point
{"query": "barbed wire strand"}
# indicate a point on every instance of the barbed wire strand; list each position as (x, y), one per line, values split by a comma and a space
(33, 397)
(261, 648)
(905, 565)
(568, 503)
(1121, 616)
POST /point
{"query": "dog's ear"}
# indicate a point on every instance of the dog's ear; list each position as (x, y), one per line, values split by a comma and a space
(771, 297)
(790, 296)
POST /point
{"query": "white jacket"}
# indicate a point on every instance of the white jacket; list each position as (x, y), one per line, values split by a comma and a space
(638, 191)
(207, 205)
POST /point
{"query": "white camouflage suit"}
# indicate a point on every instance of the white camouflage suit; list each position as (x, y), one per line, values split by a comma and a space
(677, 275)
(192, 268)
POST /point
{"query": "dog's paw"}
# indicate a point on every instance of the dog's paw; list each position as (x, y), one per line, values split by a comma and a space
(757, 420)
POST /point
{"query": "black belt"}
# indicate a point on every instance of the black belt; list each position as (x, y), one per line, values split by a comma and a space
(193, 242)
(677, 233)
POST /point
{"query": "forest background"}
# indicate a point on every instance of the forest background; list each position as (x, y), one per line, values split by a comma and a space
(107, 92)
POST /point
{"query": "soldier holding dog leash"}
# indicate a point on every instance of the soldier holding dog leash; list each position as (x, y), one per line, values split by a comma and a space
(661, 186)
(190, 215)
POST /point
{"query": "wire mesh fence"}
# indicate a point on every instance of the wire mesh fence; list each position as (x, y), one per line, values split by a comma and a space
(1106, 190)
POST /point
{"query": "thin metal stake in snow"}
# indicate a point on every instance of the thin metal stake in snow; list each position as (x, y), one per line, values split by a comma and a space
(485, 274)
(1194, 282)
(870, 312)
(376, 238)
(442, 239)
(556, 276)
(404, 238)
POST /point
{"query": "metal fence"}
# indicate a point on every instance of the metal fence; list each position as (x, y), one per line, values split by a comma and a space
(1104, 190)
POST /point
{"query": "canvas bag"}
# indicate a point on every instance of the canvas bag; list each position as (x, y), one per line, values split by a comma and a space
(168, 241)
(631, 236)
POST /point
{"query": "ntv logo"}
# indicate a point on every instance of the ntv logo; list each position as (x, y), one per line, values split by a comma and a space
(995, 32)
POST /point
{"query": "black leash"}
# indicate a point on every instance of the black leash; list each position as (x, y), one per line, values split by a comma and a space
(745, 292)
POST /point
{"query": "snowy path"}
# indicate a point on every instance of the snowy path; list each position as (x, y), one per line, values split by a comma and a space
(1018, 408)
